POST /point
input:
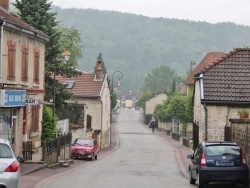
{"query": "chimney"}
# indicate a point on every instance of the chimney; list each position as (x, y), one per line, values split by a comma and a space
(99, 72)
(192, 65)
(5, 4)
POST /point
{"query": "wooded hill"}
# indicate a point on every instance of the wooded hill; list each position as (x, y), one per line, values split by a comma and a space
(135, 44)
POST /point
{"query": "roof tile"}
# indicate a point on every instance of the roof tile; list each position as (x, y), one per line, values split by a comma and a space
(228, 79)
(85, 85)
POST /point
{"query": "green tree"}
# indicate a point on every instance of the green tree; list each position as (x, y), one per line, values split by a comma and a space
(114, 100)
(177, 106)
(161, 79)
(48, 124)
(39, 15)
(146, 95)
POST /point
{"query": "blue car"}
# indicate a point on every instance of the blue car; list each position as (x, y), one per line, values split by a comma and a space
(218, 162)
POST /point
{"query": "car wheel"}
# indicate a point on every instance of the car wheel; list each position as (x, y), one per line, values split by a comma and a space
(200, 182)
(96, 157)
(92, 157)
(191, 180)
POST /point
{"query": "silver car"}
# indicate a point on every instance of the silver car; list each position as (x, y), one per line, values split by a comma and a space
(9, 166)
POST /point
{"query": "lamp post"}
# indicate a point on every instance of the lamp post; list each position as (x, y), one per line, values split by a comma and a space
(119, 76)
(66, 56)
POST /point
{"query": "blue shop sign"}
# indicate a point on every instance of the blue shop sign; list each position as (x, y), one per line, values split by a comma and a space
(12, 98)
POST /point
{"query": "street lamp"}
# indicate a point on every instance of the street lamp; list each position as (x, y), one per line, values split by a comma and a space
(119, 76)
(66, 57)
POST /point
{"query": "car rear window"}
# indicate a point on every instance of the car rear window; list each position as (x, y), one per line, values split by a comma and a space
(5, 151)
(223, 150)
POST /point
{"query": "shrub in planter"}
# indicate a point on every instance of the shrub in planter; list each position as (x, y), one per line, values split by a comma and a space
(243, 113)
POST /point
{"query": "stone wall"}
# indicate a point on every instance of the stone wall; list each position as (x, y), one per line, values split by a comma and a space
(153, 102)
(240, 130)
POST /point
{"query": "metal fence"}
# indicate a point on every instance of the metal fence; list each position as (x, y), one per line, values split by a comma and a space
(56, 145)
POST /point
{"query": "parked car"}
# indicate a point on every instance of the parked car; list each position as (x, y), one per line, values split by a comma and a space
(218, 162)
(85, 149)
(9, 165)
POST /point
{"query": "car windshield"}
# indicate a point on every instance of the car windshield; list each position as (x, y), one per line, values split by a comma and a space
(223, 150)
(84, 142)
(5, 151)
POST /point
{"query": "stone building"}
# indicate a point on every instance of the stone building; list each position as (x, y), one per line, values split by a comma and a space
(91, 91)
(22, 62)
(220, 90)
(154, 101)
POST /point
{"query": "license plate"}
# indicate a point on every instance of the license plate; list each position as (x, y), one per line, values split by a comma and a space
(229, 163)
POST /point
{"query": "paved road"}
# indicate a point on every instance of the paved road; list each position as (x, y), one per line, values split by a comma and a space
(143, 160)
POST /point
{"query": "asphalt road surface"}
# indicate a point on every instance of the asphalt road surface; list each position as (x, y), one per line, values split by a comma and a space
(142, 160)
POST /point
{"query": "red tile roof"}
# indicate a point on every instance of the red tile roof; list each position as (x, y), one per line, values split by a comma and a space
(228, 80)
(206, 61)
(84, 85)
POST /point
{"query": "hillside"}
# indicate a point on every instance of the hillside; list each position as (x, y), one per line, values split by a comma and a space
(135, 44)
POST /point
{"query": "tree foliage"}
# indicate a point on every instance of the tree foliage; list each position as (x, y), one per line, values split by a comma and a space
(136, 44)
(161, 79)
(48, 124)
(177, 106)
(39, 15)
(146, 95)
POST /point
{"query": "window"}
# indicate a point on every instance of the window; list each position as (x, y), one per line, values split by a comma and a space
(69, 84)
(89, 118)
(24, 66)
(5, 151)
(35, 118)
(11, 60)
(36, 65)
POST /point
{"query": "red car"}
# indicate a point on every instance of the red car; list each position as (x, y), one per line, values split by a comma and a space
(84, 148)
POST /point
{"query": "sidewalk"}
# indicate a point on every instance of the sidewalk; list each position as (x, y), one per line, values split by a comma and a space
(33, 169)
(32, 172)
(181, 152)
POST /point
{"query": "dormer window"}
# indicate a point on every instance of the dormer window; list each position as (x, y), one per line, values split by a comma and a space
(69, 84)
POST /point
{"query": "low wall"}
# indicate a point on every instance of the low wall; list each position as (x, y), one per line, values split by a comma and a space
(176, 136)
(52, 157)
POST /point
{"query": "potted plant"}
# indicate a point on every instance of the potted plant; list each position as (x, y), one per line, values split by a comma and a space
(243, 113)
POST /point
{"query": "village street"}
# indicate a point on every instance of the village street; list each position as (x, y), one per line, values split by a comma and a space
(143, 160)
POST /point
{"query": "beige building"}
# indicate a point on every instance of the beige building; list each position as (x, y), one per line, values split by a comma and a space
(220, 90)
(91, 91)
(22, 56)
(154, 101)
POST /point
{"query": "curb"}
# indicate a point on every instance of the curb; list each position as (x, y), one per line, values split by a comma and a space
(34, 169)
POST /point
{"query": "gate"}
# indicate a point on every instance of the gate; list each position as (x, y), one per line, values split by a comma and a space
(195, 136)
(27, 150)
(175, 126)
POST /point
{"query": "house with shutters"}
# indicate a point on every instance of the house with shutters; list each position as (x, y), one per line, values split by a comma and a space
(92, 92)
(22, 62)
(220, 89)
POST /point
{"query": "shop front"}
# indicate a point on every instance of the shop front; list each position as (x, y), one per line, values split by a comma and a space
(11, 102)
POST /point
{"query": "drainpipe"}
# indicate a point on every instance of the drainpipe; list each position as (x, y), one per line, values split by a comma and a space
(1, 49)
(101, 121)
(205, 108)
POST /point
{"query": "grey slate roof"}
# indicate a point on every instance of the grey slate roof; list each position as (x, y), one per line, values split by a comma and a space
(228, 79)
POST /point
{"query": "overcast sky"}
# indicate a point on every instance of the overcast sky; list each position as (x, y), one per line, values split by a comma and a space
(213, 11)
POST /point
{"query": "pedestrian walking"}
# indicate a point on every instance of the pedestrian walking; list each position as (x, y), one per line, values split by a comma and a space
(152, 123)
